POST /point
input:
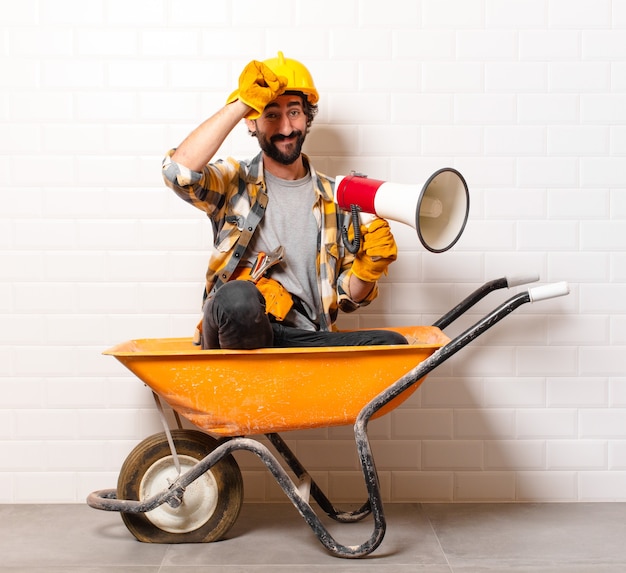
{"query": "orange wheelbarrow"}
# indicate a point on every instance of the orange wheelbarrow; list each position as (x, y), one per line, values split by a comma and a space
(184, 486)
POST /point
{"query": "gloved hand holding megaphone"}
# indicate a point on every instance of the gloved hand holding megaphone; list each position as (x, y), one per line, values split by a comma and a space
(438, 212)
(377, 251)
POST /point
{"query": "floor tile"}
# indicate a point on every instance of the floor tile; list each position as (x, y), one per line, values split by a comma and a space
(287, 540)
(531, 537)
(66, 536)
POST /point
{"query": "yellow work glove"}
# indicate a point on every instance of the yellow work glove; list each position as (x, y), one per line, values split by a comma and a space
(258, 86)
(378, 250)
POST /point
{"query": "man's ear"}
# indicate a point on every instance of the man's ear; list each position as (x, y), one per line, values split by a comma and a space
(251, 124)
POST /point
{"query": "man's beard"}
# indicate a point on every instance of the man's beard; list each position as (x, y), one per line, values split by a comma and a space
(269, 147)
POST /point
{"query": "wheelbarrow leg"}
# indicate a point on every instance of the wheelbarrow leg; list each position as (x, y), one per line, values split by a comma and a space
(168, 433)
(318, 495)
(306, 511)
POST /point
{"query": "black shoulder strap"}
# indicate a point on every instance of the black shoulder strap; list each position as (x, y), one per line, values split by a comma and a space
(252, 221)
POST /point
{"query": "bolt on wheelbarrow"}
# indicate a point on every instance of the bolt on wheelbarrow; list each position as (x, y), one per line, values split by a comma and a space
(184, 486)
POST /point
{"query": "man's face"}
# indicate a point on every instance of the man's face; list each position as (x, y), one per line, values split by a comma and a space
(281, 128)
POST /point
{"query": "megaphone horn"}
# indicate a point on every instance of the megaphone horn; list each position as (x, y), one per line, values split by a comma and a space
(438, 212)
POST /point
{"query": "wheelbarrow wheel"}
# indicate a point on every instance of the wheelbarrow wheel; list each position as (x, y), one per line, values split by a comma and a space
(210, 504)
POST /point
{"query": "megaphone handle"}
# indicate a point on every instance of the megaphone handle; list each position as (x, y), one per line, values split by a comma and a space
(354, 245)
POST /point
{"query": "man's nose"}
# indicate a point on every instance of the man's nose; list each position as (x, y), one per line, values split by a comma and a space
(285, 127)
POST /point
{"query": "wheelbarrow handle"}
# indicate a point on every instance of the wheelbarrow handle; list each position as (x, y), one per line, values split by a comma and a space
(438, 357)
(480, 293)
(517, 280)
(548, 291)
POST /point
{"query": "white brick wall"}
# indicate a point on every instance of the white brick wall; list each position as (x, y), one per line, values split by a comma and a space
(527, 98)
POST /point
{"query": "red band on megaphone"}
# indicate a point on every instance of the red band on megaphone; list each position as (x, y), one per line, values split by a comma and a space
(359, 191)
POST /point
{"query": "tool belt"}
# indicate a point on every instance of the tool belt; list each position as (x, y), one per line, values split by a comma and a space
(278, 301)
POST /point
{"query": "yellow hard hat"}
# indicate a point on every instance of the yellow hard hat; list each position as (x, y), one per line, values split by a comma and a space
(298, 77)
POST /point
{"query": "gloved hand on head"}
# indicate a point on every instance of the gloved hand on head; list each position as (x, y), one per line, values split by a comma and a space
(258, 86)
(378, 250)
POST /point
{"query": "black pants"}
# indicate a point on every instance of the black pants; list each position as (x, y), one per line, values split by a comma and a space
(235, 318)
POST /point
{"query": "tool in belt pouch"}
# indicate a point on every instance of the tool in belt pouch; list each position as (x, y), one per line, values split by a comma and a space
(278, 301)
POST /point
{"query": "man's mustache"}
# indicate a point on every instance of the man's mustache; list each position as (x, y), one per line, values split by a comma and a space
(280, 137)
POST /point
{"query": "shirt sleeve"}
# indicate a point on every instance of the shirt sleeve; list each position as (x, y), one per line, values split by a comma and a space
(203, 189)
(177, 175)
(346, 303)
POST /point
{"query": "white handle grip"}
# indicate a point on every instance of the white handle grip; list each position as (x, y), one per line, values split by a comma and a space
(548, 291)
(516, 280)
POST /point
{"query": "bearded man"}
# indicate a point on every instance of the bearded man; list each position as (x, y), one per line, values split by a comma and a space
(279, 272)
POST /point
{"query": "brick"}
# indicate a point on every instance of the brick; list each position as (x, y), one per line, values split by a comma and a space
(483, 424)
(409, 487)
(576, 455)
(580, 392)
(484, 486)
(350, 487)
(518, 14)
(456, 455)
(577, 13)
(515, 455)
(422, 424)
(602, 486)
(555, 423)
(546, 486)
(600, 423)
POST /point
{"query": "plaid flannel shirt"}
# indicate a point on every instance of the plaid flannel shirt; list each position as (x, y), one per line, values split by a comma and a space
(225, 191)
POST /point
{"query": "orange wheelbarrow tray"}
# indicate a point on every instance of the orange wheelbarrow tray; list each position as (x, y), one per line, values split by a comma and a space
(184, 486)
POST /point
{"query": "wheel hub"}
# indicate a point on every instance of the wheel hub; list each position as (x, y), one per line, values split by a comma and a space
(198, 502)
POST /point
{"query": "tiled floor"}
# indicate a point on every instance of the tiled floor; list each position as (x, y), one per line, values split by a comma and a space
(425, 538)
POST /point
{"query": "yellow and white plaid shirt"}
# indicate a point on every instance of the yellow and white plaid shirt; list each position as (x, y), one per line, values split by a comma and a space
(226, 190)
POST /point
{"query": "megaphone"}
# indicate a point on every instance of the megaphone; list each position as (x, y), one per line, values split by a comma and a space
(438, 212)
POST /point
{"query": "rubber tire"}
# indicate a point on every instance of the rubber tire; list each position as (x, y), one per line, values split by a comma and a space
(188, 443)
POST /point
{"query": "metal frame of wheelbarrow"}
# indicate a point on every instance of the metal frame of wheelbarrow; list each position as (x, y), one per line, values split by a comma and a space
(298, 493)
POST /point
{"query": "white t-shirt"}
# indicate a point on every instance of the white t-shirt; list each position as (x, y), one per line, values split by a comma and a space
(289, 221)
